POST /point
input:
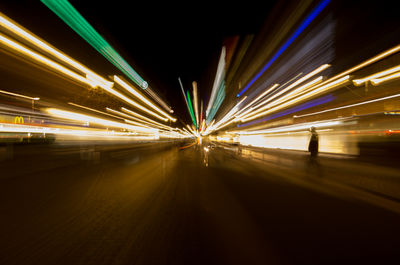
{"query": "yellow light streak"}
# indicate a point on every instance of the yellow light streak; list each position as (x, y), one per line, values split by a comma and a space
(137, 123)
(6, 41)
(309, 94)
(287, 82)
(133, 103)
(140, 116)
(296, 83)
(286, 97)
(203, 124)
(134, 92)
(347, 106)
(209, 127)
(94, 110)
(223, 122)
(195, 102)
(292, 128)
(86, 118)
(91, 79)
(377, 81)
(152, 94)
(18, 95)
(170, 134)
(260, 96)
(62, 69)
(25, 34)
(191, 129)
(330, 83)
(135, 120)
(365, 63)
(224, 125)
(301, 80)
(304, 88)
(188, 132)
(360, 81)
(91, 133)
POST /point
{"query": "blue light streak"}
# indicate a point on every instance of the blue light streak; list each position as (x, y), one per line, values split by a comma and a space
(298, 31)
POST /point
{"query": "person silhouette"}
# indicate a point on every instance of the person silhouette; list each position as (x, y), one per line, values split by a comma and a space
(313, 145)
(313, 165)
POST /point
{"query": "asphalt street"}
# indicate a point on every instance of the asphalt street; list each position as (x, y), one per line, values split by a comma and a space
(187, 206)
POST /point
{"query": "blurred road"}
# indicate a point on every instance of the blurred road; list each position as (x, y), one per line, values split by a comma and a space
(189, 206)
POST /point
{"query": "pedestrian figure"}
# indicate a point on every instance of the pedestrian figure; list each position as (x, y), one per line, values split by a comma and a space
(313, 146)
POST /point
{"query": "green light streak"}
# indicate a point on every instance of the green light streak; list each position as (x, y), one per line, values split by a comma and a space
(191, 109)
(64, 10)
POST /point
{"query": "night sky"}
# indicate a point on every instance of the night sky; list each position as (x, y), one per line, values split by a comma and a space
(160, 41)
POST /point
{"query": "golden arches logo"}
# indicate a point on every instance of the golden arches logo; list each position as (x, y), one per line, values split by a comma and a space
(19, 119)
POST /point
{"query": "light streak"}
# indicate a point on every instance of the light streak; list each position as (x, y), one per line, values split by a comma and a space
(297, 108)
(64, 10)
(201, 111)
(187, 97)
(347, 106)
(141, 117)
(90, 133)
(219, 99)
(187, 131)
(260, 96)
(224, 121)
(133, 103)
(150, 92)
(183, 92)
(23, 33)
(18, 95)
(91, 78)
(336, 80)
(304, 88)
(137, 121)
(290, 128)
(309, 94)
(134, 92)
(94, 110)
(365, 63)
(191, 109)
(209, 128)
(203, 126)
(86, 118)
(377, 81)
(299, 81)
(265, 93)
(360, 81)
(274, 103)
(217, 81)
(187, 146)
(195, 101)
(42, 59)
(190, 129)
(298, 31)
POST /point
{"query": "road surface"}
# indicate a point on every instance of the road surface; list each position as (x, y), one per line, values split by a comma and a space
(188, 206)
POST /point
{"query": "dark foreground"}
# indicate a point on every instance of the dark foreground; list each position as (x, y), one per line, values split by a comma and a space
(194, 207)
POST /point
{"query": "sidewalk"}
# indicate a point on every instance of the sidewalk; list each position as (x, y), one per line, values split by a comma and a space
(380, 183)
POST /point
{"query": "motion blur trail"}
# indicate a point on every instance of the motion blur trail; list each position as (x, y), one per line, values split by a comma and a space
(170, 207)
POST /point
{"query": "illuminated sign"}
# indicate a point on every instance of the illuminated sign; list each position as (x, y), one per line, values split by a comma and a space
(19, 120)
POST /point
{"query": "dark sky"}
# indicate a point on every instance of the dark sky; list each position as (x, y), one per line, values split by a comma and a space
(161, 41)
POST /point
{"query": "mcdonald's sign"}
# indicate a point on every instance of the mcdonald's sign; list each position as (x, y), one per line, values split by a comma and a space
(19, 120)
